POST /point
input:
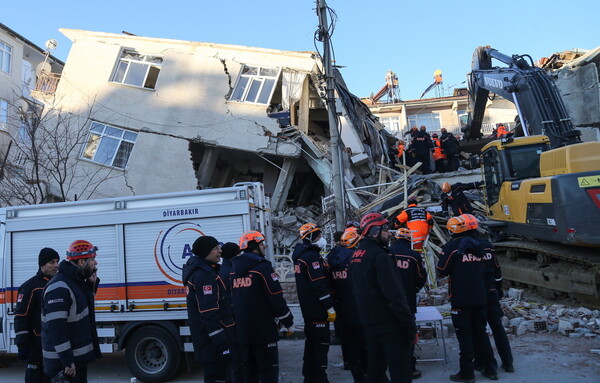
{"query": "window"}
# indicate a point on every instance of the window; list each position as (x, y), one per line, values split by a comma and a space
(5, 56)
(391, 123)
(255, 84)
(137, 69)
(430, 120)
(3, 114)
(524, 161)
(492, 172)
(108, 145)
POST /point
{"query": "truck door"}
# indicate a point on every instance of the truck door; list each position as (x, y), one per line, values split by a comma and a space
(155, 253)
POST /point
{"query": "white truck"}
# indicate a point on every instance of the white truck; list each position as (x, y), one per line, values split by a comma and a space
(143, 243)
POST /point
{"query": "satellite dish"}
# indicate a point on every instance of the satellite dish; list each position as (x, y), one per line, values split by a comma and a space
(51, 44)
(43, 67)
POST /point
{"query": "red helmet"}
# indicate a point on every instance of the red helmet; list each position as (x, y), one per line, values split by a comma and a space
(255, 236)
(81, 249)
(370, 220)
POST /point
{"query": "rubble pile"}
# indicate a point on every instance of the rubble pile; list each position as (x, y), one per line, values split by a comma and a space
(521, 317)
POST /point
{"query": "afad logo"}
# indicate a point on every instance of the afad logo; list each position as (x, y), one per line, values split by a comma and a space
(173, 247)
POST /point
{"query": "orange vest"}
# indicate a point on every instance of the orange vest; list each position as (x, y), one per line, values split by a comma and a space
(438, 153)
(400, 150)
(501, 131)
(417, 220)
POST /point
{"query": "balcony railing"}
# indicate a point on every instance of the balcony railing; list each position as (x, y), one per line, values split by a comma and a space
(47, 83)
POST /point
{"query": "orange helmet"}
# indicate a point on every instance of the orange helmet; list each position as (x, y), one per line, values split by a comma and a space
(462, 223)
(249, 236)
(308, 228)
(370, 220)
(81, 249)
(403, 233)
(350, 237)
(446, 187)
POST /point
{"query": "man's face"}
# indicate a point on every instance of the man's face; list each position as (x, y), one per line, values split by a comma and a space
(262, 247)
(215, 254)
(50, 268)
(385, 234)
(89, 267)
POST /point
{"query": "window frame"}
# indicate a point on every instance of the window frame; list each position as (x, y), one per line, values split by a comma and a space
(433, 115)
(241, 74)
(8, 52)
(129, 61)
(102, 134)
(3, 112)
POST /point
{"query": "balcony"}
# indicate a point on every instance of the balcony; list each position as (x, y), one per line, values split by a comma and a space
(47, 83)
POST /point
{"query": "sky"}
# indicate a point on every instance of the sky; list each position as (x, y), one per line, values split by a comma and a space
(413, 39)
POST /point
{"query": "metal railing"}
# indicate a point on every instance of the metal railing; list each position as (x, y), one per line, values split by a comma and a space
(47, 83)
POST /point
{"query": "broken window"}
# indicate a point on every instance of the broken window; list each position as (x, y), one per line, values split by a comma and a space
(430, 120)
(255, 84)
(108, 145)
(5, 56)
(137, 69)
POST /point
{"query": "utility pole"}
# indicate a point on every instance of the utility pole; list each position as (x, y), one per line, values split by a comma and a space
(336, 156)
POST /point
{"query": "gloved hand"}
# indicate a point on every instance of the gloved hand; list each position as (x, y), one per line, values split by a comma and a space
(331, 315)
(499, 289)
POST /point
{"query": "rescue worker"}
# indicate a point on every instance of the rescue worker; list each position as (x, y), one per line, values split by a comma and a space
(28, 316)
(209, 310)
(418, 221)
(462, 260)
(453, 196)
(494, 310)
(354, 347)
(387, 320)
(412, 274)
(438, 154)
(501, 130)
(69, 337)
(422, 145)
(449, 145)
(228, 251)
(259, 308)
(400, 150)
(316, 303)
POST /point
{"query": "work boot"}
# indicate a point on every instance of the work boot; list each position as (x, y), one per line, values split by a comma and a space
(416, 374)
(489, 375)
(458, 378)
(508, 368)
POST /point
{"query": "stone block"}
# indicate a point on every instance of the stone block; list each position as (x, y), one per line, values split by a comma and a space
(565, 327)
(584, 311)
(515, 294)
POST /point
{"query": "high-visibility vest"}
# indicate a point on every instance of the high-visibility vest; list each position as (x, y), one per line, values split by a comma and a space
(400, 150)
(501, 131)
(438, 153)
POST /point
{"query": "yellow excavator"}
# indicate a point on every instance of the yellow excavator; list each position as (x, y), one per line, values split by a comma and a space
(542, 184)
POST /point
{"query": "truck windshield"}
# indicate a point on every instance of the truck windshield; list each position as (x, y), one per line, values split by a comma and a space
(524, 161)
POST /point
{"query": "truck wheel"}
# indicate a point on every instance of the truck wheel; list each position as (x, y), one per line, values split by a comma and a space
(152, 354)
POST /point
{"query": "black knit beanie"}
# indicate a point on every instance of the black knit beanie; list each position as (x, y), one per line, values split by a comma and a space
(46, 255)
(230, 250)
(204, 245)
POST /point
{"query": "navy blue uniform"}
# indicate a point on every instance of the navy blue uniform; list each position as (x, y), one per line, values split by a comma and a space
(225, 271)
(457, 200)
(462, 260)
(422, 146)
(315, 299)
(28, 326)
(384, 313)
(68, 323)
(354, 346)
(449, 145)
(494, 310)
(412, 270)
(258, 307)
(210, 316)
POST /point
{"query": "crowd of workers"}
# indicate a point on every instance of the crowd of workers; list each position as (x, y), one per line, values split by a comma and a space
(436, 153)
(366, 285)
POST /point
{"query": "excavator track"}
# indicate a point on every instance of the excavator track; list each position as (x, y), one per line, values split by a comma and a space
(554, 269)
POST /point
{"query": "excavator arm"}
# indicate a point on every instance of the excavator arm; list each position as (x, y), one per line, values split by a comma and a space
(539, 105)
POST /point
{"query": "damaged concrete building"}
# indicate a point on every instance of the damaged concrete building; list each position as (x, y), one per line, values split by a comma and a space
(168, 115)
